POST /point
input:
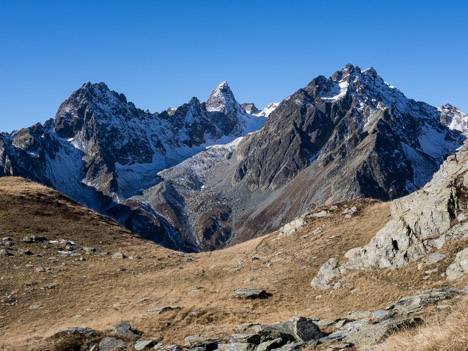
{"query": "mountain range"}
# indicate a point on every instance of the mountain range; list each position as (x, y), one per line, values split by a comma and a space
(208, 175)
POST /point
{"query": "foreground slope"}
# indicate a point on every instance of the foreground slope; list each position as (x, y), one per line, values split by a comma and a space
(80, 286)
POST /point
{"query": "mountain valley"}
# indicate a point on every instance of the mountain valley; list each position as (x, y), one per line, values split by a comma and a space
(335, 219)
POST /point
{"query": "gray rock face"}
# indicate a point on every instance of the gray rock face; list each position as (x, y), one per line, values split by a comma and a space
(351, 108)
(459, 267)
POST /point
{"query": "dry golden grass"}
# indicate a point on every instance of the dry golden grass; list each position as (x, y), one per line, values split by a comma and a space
(449, 335)
(98, 293)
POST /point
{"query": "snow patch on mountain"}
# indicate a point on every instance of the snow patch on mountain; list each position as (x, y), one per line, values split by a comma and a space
(194, 170)
(266, 112)
(454, 118)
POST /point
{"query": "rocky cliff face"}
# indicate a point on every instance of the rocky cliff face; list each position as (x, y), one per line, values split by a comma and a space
(324, 123)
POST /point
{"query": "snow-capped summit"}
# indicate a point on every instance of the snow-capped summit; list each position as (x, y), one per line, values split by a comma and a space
(222, 100)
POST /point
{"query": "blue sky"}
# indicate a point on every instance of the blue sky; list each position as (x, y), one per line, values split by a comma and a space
(161, 53)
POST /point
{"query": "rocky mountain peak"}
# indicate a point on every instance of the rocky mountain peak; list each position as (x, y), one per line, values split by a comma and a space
(222, 100)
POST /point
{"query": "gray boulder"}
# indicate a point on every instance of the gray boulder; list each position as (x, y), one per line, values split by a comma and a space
(459, 267)
(112, 344)
(125, 330)
(34, 239)
(298, 329)
(327, 273)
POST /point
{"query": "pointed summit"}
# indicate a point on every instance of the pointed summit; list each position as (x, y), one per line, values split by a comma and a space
(222, 100)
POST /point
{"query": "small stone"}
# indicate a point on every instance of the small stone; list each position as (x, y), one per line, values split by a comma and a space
(35, 307)
(118, 256)
(9, 300)
(159, 310)
(40, 269)
(89, 250)
(34, 239)
(4, 252)
(25, 252)
(7, 243)
(143, 300)
(243, 293)
(143, 344)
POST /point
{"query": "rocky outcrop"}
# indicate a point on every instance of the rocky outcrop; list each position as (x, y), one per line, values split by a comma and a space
(421, 222)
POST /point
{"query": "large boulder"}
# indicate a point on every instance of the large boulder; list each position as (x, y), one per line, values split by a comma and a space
(298, 329)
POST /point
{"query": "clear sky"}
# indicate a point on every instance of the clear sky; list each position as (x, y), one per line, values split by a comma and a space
(161, 53)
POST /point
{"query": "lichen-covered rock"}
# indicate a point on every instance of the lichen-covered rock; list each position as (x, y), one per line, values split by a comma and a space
(459, 266)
